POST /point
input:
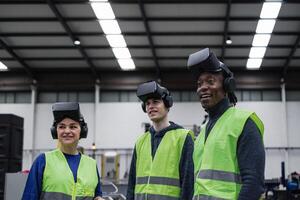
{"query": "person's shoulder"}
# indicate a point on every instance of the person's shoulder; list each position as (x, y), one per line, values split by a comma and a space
(40, 157)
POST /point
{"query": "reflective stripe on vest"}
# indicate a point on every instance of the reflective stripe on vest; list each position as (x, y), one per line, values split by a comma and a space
(153, 197)
(58, 180)
(61, 196)
(220, 176)
(158, 180)
(158, 177)
(215, 160)
(204, 197)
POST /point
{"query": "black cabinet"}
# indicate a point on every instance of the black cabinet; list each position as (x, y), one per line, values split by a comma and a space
(11, 146)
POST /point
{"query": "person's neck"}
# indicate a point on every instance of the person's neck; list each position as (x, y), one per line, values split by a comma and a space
(158, 126)
(71, 150)
(219, 108)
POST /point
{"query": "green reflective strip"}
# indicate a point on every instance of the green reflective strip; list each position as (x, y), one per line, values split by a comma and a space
(55, 195)
(220, 176)
(158, 180)
(153, 197)
(205, 197)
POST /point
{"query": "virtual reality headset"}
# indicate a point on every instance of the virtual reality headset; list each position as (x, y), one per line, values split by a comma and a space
(150, 90)
(204, 61)
(62, 110)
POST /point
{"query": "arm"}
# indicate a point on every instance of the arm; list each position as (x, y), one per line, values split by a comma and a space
(131, 178)
(251, 160)
(33, 187)
(186, 170)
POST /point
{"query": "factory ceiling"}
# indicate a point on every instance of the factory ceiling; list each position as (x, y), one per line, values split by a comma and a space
(37, 43)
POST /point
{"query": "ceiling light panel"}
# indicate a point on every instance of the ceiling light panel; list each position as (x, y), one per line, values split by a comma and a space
(261, 40)
(270, 10)
(2, 66)
(254, 63)
(103, 10)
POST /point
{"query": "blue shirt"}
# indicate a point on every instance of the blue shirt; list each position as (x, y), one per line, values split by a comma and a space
(33, 188)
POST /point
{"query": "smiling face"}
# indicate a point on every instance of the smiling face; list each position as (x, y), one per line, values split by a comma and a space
(68, 132)
(210, 89)
(156, 109)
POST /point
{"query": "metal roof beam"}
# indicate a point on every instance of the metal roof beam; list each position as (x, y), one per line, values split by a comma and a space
(290, 57)
(19, 59)
(194, 33)
(158, 72)
(141, 46)
(83, 19)
(226, 29)
(134, 1)
(73, 37)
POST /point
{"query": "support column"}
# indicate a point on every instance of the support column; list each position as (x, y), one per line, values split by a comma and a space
(33, 116)
(285, 124)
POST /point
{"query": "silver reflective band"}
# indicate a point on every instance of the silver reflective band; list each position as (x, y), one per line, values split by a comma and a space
(220, 176)
(153, 197)
(55, 195)
(61, 196)
(204, 197)
(158, 180)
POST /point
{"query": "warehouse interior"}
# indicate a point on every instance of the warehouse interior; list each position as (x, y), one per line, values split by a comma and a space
(63, 51)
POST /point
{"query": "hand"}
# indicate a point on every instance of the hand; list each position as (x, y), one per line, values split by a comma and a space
(98, 198)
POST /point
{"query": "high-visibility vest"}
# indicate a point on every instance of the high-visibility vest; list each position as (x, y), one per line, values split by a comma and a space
(158, 178)
(216, 166)
(58, 181)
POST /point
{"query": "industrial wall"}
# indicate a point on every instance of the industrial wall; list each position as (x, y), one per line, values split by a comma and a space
(119, 124)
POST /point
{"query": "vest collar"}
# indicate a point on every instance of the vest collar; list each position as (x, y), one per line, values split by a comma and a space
(219, 109)
(162, 132)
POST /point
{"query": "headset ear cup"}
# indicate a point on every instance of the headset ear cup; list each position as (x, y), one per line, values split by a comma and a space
(168, 101)
(229, 84)
(84, 130)
(53, 132)
(143, 106)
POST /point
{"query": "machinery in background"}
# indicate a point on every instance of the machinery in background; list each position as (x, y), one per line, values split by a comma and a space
(282, 188)
(110, 165)
(112, 195)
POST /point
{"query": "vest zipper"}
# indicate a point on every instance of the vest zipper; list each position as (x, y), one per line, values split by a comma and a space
(74, 191)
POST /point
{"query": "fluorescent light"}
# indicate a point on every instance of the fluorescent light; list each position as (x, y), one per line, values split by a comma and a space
(257, 52)
(265, 26)
(112, 31)
(261, 40)
(121, 52)
(2, 66)
(126, 64)
(103, 10)
(254, 63)
(116, 40)
(110, 26)
(270, 10)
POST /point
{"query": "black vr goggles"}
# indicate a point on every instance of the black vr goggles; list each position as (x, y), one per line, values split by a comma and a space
(153, 90)
(206, 61)
(70, 110)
